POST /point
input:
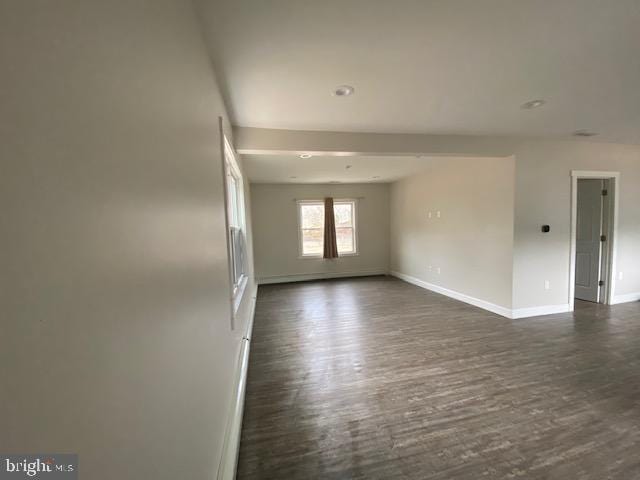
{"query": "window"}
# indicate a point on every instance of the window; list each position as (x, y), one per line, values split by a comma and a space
(312, 228)
(345, 226)
(311, 223)
(235, 224)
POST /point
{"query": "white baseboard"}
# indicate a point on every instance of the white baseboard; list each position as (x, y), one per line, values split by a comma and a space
(538, 311)
(231, 445)
(252, 314)
(492, 307)
(301, 277)
(628, 297)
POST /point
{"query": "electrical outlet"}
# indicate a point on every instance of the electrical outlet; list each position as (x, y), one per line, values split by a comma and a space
(620, 276)
(547, 285)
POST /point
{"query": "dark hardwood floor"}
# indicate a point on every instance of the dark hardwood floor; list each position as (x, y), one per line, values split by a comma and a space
(374, 378)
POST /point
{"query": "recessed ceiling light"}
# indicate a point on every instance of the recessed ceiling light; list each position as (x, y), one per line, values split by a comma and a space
(584, 133)
(533, 104)
(344, 91)
(306, 155)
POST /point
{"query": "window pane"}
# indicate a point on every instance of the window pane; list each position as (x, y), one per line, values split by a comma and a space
(344, 237)
(237, 249)
(344, 214)
(312, 241)
(312, 215)
(232, 187)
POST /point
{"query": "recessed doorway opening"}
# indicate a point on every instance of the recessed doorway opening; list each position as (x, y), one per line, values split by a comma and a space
(594, 209)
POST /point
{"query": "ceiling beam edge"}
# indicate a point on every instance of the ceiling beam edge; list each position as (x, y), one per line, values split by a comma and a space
(249, 140)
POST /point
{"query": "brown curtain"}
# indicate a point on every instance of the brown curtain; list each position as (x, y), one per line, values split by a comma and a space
(330, 243)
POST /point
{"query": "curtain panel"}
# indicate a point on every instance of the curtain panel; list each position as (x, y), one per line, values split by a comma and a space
(330, 242)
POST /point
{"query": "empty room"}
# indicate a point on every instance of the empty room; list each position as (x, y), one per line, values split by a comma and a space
(320, 240)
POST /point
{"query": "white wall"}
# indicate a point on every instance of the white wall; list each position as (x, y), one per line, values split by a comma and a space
(472, 242)
(543, 195)
(275, 229)
(115, 339)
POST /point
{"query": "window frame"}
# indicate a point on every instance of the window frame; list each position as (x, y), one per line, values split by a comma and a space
(235, 218)
(300, 204)
(354, 220)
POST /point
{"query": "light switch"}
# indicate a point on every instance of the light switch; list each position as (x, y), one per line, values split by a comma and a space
(438, 214)
(547, 284)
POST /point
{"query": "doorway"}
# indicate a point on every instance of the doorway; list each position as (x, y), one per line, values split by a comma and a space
(593, 226)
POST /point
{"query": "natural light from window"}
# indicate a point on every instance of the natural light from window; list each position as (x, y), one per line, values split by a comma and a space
(236, 226)
(311, 221)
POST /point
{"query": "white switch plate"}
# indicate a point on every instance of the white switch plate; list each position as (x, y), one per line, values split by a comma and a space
(438, 214)
(429, 214)
(620, 276)
(438, 270)
(547, 285)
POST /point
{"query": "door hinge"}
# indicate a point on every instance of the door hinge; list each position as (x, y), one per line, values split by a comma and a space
(605, 193)
(603, 238)
(601, 283)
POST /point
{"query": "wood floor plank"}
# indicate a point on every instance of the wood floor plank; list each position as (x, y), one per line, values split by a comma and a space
(374, 378)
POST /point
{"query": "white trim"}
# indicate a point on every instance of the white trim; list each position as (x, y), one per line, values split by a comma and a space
(319, 257)
(238, 294)
(231, 442)
(354, 226)
(611, 274)
(252, 315)
(223, 150)
(354, 221)
(477, 302)
(299, 205)
(230, 168)
(492, 307)
(538, 311)
(628, 297)
(302, 277)
(231, 447)
(603, 174)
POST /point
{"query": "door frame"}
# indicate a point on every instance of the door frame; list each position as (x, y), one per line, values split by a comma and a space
(612, 234)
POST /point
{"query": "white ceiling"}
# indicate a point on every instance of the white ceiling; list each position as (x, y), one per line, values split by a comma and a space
(420, 66)
(327, 169)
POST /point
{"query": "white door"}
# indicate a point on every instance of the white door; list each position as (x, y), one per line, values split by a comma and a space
(588, 231)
